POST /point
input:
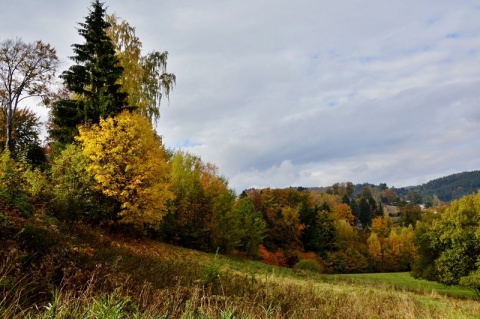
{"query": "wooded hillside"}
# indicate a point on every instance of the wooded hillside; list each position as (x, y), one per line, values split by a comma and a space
(447, 188)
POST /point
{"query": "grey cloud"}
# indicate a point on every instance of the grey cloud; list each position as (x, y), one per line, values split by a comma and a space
(282, 93)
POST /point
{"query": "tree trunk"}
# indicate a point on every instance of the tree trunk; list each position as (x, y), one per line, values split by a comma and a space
(8, 139)
(10, 118)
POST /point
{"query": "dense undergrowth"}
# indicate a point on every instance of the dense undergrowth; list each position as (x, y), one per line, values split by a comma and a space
(53, 270)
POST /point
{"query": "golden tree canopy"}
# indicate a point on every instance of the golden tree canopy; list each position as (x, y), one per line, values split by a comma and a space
(128, 163)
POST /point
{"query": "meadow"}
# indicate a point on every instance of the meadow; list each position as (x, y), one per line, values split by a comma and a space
(109, 276)
(403, 280)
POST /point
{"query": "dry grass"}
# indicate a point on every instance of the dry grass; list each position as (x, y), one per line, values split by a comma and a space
(275, 298)
(145, 279)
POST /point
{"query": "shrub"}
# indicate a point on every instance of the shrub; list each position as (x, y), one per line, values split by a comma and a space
(74, 196)
(40, 240)
(13, 185)
(277, 258)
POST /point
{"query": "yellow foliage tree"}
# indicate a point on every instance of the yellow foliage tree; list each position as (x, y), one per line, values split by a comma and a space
(395, 244)
(144, 78)
(408, 250)
(325, 200)
(343, 211)
(374, 247)
(128, 164)
(381, 225)
(345, 233)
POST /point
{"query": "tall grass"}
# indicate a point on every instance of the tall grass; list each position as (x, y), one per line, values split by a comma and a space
(274, 298)
(125, 278)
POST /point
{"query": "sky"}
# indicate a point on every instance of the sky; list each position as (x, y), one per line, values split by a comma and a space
(302, 93)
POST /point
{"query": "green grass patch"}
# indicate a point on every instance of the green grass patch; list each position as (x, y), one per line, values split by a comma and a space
(403, 280)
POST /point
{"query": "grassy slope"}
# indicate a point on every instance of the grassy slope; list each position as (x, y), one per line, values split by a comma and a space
(114, 277)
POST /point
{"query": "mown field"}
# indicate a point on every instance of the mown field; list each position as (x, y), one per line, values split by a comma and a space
(108, 276)
(403, 280)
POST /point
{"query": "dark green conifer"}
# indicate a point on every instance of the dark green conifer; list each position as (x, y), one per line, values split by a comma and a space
(93, 80)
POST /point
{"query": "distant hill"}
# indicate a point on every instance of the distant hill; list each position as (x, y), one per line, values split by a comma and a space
(447, 188)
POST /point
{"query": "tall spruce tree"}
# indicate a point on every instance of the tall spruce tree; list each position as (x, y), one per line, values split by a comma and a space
(93, 80)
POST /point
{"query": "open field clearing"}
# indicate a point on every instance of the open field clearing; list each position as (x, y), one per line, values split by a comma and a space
(403, 280)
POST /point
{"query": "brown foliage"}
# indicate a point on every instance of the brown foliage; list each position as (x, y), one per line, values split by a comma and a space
(272, 258)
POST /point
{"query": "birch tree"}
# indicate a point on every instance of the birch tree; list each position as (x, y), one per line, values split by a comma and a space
(145, 77)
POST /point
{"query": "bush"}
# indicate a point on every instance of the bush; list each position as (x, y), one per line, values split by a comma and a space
(13, 185)
(73, 195)
(272, 258)
(40, 240)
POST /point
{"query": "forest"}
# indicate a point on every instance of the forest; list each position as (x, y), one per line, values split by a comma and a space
(446, 188)
(104, 168)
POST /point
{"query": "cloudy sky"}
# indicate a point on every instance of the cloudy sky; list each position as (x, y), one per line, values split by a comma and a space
(303, 93)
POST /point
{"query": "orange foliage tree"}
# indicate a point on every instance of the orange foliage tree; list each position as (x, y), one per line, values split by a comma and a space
(343, 211)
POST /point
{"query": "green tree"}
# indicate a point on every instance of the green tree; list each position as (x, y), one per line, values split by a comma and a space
(253, 225)
(13, 185)
(226, 226)
(325, 235)
(144, 77)
(458, 230)
(74, 194)
(222, 226)
(410, 214)
(94, 80)
(26, 70)
(472, 280)
(183, 225)
(319, 234)
(201, 215)
(24, 137)
(449, 245)
(367, 207)
(414, 197)
(428, 248)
